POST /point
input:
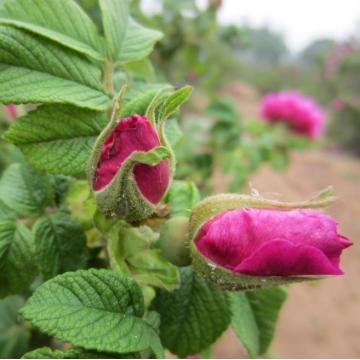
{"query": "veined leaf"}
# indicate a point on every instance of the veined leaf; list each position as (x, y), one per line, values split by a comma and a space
(115, 15)
(138, 42)
(57, 138)
(254, 317)
(6, 213)
(193, 316)
(34, 69)
(75, 353)
(61, 21)
(25, 190)
(60, 244)
(17, 258)
(95, 309)
(14, 337)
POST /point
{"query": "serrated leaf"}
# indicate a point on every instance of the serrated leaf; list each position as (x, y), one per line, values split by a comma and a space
(76, 353)
(60, 244)
(173, 102)
(138, 43)
(57, 138)
(25, 190)
(17, 258)
(182, 196)
(254, 317)
(47, 73)
(95, 309)
(14, 337)
(61, 21)
(115, 16)
(193, 316)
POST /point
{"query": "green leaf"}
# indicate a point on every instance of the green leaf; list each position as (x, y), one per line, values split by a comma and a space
(76, 353)
(173, 102)
(138, 43)
(26, 190)
(61, 21)
(141, 69)
(57, 138)
(95, 309)
(151, 268)
(254, 317)
(47, 73)
(60, 244)
(115, 15)
(173, 132)
(6, 213)
(182, 196)
(14, 337)
(193, 316)
(17, 258)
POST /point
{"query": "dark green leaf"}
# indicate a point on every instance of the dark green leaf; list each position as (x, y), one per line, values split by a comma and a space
(60, 244)
(254, 317)
(17, 258)
(61, 21)
(57, 138)
(95, 309)
(25, 190)
(14, 337)
(193, 316)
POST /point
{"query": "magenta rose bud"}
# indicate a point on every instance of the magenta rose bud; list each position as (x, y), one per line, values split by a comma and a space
(302, 114)
(239, 242)
(126, 183)
(271, 242)
(134, 133)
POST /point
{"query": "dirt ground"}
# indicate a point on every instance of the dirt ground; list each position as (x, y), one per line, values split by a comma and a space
(322, 319)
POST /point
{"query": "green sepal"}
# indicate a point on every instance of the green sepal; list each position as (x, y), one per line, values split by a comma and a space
(229, 280)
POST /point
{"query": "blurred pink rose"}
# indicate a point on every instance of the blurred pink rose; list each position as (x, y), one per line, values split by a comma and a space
(301, 113)
(11, 111)
(271, 242)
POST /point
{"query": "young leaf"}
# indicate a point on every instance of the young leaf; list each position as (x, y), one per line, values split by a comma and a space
(254, 317)
(115, 15)
(61, 21)
(25, 190)
(57, 138)
(14, 337)
(75, 353)
(182, 196)
(193, 316)
(17, 258)
(60, 244)
(95, 309)
(138, 43)
(49, 73)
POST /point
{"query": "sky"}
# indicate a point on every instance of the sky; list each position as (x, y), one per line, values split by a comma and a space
(300, 21)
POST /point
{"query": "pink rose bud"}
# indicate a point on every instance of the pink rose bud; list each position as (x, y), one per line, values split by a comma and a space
(123, 185)
(241, 242)
(303, 115)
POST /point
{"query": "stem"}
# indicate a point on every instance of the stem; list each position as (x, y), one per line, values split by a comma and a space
(108, 76)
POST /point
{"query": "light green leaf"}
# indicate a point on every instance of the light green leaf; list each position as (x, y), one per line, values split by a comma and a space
(138, 43)
(254, 317)
(60, 244)
(25, 190)
(61, 21)
(75, 353)
(193, 316)
(115, 16)
(151, 268)
(14, 337)
(151, 157)
(34, 69)
(6, 213)
(182, 196)
(17, 258)
(95, 309)
(57, 138)
(141, 69)
(173, 132)
(173, 102)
